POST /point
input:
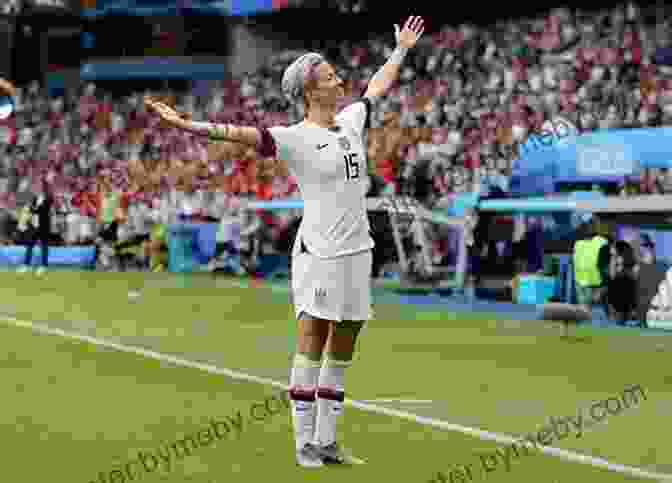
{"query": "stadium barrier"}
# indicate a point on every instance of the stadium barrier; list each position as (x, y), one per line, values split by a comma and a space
(76, 257)
(190, 245)
(428, 247)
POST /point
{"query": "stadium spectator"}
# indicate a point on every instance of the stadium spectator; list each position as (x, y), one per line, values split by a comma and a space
(40, 227)
(622, 284)
(650, 275)
(227, 253)
(464, 102)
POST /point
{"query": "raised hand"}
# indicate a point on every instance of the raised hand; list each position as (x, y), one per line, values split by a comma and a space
(411, 33)
(157, 107)
(164, 111)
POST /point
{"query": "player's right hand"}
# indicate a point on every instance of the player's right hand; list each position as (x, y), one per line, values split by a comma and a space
(165, 112)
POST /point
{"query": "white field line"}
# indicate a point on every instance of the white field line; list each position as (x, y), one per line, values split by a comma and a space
(398, 401)
(373, 408)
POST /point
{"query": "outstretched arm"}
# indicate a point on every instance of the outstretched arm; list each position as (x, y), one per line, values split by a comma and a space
(385, 78)
(258, 138)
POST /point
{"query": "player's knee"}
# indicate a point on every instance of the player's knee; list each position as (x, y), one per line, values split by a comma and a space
(342, 360)
(338, 360)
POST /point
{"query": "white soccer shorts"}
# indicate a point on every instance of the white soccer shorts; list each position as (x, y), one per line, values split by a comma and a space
(335, 289)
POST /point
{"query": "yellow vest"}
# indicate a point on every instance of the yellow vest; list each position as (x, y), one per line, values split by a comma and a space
(586, 255)
(25, 218)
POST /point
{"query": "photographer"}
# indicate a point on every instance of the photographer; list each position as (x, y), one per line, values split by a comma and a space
(38, 227)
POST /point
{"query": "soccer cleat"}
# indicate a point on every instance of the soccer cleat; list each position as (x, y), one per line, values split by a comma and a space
(23, 269)
(40, 271)
(334, 454)
(309, 456)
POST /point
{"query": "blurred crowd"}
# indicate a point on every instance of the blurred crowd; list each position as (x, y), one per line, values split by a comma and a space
(467, 97)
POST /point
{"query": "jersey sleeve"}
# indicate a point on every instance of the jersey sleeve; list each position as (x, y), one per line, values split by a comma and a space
(358, 114)
(282, 141)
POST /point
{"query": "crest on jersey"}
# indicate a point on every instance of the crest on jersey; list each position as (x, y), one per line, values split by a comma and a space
(345, 144)
(320, 296)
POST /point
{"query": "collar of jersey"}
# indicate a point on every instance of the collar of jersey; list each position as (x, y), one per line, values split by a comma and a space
(335, 129)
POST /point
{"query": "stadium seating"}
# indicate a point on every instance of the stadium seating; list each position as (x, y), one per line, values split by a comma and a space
(467, 95)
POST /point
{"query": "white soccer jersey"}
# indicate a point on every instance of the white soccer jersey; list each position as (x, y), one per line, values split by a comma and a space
(331, 171)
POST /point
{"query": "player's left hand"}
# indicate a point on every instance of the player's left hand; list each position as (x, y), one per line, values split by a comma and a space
(411, 33)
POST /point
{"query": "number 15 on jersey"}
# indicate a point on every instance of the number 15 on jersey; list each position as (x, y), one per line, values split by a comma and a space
(351, 166)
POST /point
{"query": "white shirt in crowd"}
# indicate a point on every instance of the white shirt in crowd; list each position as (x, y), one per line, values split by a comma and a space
(229, 229)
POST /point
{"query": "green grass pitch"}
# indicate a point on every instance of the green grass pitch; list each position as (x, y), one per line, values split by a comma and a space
(76, 411)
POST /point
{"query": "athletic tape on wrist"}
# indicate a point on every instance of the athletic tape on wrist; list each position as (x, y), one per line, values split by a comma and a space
(202, 126)
(398, 55)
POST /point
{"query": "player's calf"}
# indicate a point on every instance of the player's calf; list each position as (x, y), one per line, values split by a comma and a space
(303, 394)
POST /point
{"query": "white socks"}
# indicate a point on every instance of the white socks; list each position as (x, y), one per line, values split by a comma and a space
(302, 393)
(330, 397)
(317, 396)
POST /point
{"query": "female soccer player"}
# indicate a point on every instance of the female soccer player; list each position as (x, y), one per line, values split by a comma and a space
(331, 259)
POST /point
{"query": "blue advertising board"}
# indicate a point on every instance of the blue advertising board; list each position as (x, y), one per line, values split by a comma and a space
(101, 8)
(600, 154)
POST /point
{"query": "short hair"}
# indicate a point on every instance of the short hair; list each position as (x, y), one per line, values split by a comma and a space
(298, 74)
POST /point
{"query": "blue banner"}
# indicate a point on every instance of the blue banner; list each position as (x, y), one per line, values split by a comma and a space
(591, 156)
(250, 7)
(151, 69)
(148, 8)
(63, 256)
